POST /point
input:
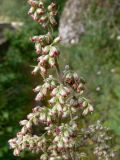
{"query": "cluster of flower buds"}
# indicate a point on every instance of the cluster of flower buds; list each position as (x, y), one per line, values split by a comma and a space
(59, 94)
(99, 136)
(52, 13)
(40, 14)
(43, 90)
(87, 107)
(45, 47)
(64, 137)
(81, 104)
(73, 80)
(33, 143)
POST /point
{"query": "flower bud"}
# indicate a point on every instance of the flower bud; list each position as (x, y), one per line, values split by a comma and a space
(28, 125)
(52, 100)
(41, 5)
(38, 48)
(31, 11)
(42, 19)
(37, 89)
(52, 20)
(39, 96)
(16, 152)
(52, 62)
(59, 107)
(24, 130)
(54, 52)
(85, 112)
(23, 122)
(36, 109)
(29, 116)
(40, 11)
(90, 107)
(42, 61)
(52, 6)
(33, 3)
(46, 49)
(85, 104)
(35, 16)
(61, 100)
(36, 69)
(63, 93)
(43, 70)
(57, 40)
(54, 92)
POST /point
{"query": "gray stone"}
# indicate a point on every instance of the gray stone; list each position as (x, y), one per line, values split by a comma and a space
(71, 23)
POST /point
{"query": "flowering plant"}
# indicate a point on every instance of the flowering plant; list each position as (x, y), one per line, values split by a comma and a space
(62, 104)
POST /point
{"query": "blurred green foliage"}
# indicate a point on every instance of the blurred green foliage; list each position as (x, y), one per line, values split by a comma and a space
(96, 58)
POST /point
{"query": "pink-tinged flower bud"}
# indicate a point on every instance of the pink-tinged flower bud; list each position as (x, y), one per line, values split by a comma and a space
(34, 39)
(54, 92)
(42, 61)
(57, 130)
(16, 152)
(57, 40)
(42, 19)
(52, 62)
(23, 122)
(46, 49)
(35, 16)
(12, 143)
(65, 139)
(36, 109)
(38, 48)
(31, 11)
(36, 69)
(40, 11)
(43, 70)
(54, 52)
(52, 100)
(29, 125)
(67, 90)
(90, 107)
(39, 96)
(33, 3)
(52, 6)
(63, 93)
(24, 130)
(37, 89)
(59, 108)
(29, 116)
(69, 78)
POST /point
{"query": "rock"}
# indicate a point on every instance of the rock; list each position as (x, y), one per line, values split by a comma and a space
(71, 23)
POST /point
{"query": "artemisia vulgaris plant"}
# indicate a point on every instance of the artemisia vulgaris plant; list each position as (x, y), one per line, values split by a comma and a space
(62, 105)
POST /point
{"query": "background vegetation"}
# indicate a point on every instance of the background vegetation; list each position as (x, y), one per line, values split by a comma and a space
(96, 58)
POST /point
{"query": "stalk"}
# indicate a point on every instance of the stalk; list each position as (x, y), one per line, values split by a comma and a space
(62, 114)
